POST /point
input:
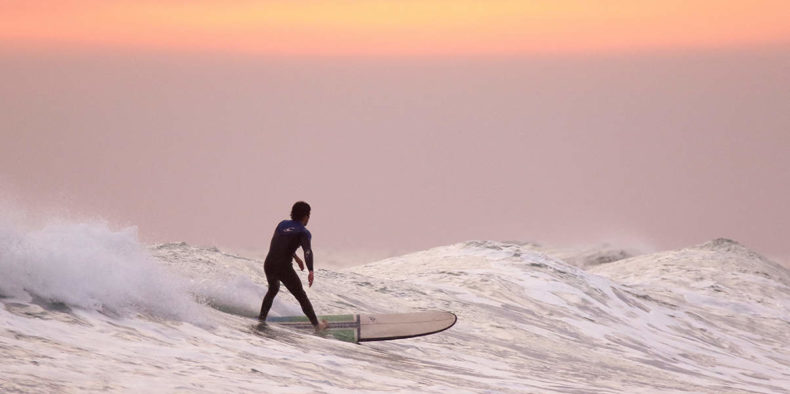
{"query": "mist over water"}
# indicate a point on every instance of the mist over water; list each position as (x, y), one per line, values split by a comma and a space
(405, 154)
(89, 266)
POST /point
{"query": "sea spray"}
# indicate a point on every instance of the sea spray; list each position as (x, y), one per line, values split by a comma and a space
(90, 266)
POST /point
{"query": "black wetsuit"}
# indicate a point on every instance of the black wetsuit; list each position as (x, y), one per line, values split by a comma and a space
(288, 236)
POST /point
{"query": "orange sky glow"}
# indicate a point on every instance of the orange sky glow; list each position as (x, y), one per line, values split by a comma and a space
(394, 27)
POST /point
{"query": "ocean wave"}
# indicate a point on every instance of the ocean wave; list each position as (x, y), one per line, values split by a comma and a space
(90, 266)
(708, 318)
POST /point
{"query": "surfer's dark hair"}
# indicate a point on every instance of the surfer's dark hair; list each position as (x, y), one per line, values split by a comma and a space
(300, 210)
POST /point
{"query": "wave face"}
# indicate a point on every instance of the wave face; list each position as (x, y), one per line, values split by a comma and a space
(88, 308)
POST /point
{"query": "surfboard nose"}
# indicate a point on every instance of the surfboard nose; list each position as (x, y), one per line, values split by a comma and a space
(380, 327)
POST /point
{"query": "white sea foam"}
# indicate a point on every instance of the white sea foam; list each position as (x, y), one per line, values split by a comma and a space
(89, 266)
(225, 281)
(712, 318)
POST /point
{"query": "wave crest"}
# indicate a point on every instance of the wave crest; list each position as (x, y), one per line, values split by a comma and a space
(90, 266)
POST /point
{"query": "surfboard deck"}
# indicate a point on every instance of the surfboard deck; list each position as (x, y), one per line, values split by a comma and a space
(357, 328)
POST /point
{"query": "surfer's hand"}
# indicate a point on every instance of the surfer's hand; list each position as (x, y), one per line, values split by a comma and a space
(300, 262)
(310, 279)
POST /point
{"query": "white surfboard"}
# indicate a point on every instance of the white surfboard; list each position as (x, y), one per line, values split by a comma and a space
(376, 327)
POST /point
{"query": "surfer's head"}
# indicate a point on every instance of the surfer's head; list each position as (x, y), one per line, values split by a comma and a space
(301, 212)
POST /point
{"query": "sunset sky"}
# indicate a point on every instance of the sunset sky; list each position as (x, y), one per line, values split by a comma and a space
(406, 124)
(395, 27)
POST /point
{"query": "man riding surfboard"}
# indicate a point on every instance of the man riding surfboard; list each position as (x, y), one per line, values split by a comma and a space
(289, 236)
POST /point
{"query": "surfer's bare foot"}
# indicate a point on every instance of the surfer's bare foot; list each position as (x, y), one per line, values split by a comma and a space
(322, 325)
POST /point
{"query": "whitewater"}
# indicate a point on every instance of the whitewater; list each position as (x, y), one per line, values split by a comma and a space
(89, 308)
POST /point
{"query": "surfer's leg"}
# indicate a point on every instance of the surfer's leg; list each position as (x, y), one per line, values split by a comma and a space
(274, 287)
(294, 285)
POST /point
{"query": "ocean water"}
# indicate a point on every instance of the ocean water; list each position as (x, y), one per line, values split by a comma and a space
(88, 308)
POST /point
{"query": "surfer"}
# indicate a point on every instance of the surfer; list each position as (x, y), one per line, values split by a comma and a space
(289, 236)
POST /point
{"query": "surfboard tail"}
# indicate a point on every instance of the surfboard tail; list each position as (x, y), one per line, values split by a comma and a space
(376, 326)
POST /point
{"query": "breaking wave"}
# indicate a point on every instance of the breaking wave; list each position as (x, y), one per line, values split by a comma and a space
(709, 318)
(90, 266)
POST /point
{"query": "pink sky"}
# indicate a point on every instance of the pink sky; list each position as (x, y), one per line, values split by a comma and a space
(406, 124)
(396, 154)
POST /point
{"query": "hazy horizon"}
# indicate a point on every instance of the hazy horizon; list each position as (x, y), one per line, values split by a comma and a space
(396, 154)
